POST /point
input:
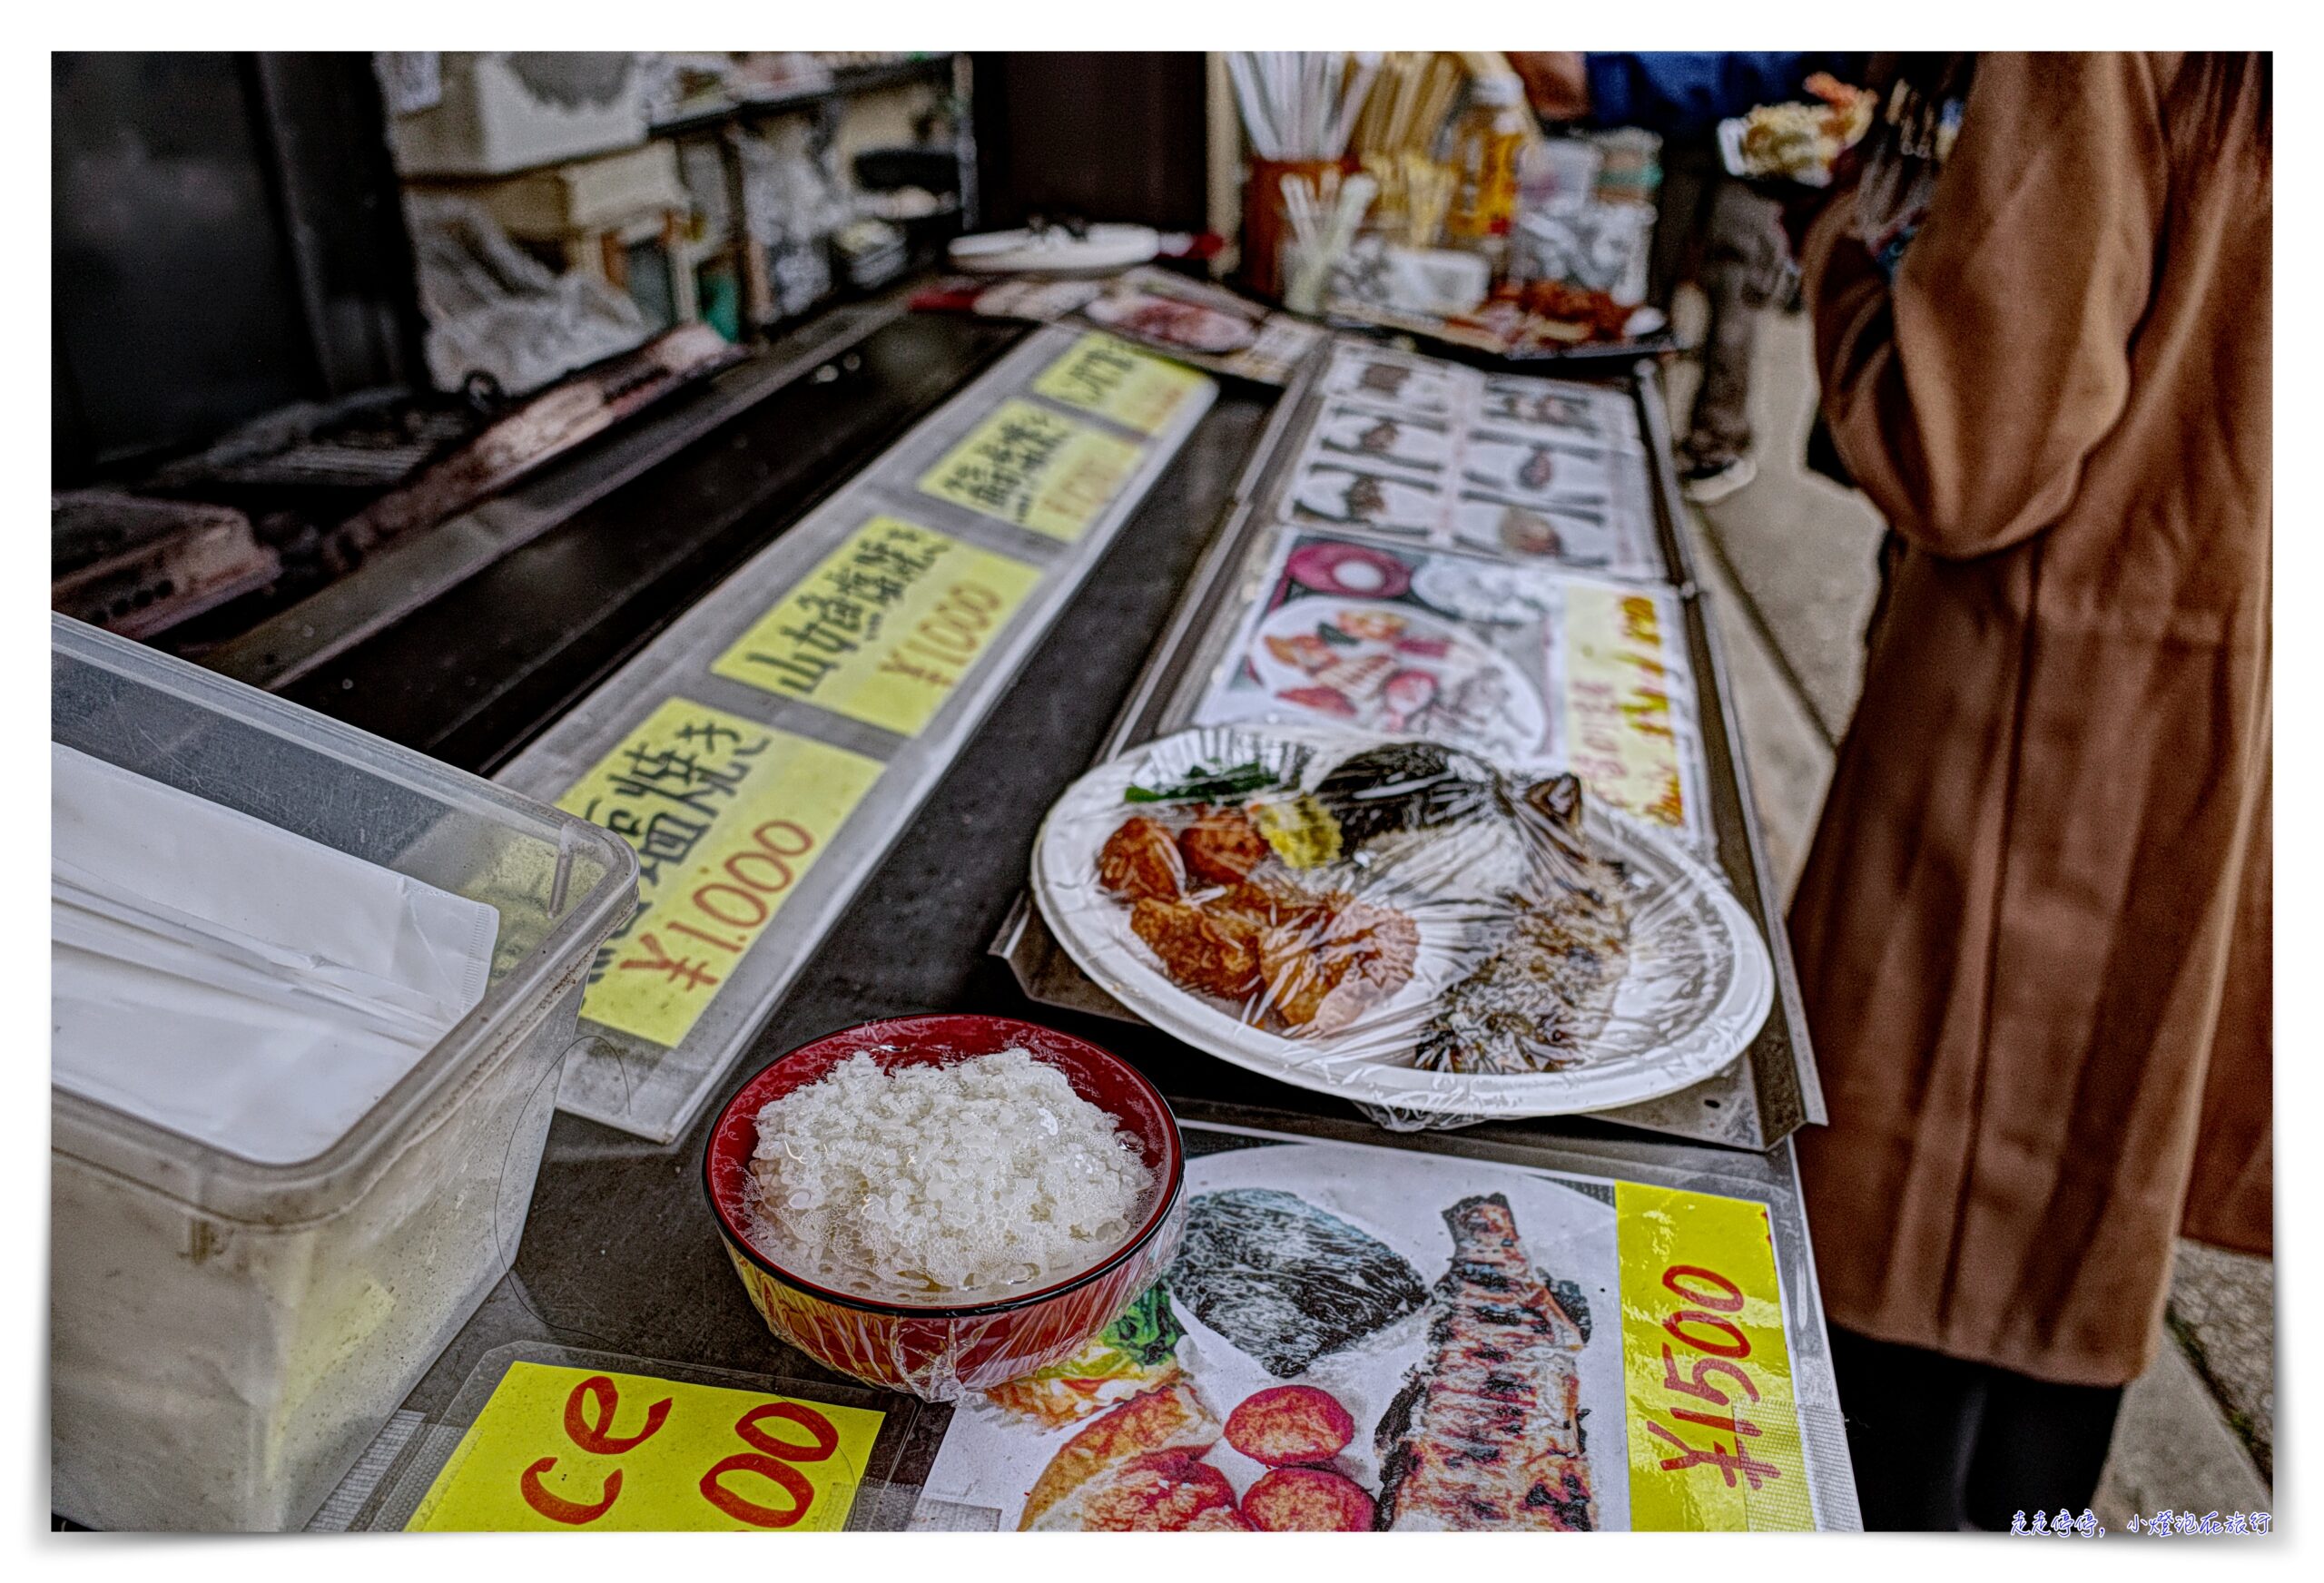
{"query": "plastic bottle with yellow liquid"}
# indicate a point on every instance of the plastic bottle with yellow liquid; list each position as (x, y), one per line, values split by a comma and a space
(1486, 142)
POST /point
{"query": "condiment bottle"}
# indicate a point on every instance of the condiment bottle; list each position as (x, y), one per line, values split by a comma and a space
(1485, 145)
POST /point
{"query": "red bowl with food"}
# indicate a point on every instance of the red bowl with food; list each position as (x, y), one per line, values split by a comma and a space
(940, 1349)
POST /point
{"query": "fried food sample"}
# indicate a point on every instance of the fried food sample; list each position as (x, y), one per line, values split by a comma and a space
(1216, 955)
(1307, 1500)
(1137, 1467)
(1140, 860)
(1223, 847)
(1325, 971)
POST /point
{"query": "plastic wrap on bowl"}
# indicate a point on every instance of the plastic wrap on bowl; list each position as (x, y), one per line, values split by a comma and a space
(939, 1351)
(1405, 924)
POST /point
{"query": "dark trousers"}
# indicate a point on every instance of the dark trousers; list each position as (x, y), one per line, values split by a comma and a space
(1940, 1444)
(1730, 240)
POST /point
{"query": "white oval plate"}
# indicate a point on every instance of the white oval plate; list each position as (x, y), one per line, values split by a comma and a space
(1700, 982)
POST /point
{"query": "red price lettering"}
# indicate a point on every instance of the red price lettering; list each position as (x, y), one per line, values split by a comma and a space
(598, 1438)
(825, 1437)
(743, 1510)
(556, 1508)
(764, 835)
(1735, 1345)
(756, 915)
(1725, 1295)
(768, 1459)
(1728, 1459)
(756, 871)
(1697, 1386)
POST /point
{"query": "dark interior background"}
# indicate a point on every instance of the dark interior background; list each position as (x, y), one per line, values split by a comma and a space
(1112, 136)
(226, 239)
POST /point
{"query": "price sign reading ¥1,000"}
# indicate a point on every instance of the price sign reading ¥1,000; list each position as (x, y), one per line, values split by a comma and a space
(1713, 1427)
(885, 627)
(571, 1449)
(1114, 380)
(726, 815)
(1027, 466)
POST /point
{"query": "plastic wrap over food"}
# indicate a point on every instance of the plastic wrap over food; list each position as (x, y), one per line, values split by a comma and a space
(940, 1356)
(938, 1326)
(1405, 924)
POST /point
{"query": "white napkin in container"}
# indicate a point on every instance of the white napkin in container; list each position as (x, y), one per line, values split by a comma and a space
(233, 982)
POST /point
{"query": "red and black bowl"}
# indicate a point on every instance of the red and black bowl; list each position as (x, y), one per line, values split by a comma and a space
(941, 1353)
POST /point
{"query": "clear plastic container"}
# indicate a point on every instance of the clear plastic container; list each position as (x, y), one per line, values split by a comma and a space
(226, 1336)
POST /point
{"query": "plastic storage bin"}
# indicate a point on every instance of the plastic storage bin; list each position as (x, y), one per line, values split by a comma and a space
(225, 1337)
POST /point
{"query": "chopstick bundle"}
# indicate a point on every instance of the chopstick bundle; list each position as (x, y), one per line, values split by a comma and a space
(1300, 104)
(1428, 188)
(1412, 93)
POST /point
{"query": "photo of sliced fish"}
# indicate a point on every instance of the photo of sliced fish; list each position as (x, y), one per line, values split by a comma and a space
(1285, 1283)
(1487, 1433)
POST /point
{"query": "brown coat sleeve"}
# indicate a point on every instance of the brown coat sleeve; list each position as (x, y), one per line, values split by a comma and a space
(1966, 398)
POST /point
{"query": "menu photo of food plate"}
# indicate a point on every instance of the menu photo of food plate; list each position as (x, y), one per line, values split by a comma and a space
(1347, 432)
(1357, 1338)
(1398, 381)
(1565, 534)
(1345, 631)
(1399, 923)
(1594, 414)
(1516, 663)
(1327, 488)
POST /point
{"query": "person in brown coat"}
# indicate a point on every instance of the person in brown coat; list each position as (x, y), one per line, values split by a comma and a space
(2033, 931)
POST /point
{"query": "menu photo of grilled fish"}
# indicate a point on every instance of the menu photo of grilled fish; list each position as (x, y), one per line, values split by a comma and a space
(1489, 1432)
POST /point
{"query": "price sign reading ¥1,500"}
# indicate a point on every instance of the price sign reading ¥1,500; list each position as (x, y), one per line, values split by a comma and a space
(570, 1449)
(1618, 731)
(1114, 380)
(1027, 466)
(1713, 1429)
(726, 815)
(885, 628)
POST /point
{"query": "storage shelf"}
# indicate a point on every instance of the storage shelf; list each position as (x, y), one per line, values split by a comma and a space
(844, 83)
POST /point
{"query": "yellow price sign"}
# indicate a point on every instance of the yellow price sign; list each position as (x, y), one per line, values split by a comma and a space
(727, 816)
(562, 1449)
(1713, 1425)
(1114, 380)
(885, 627)
(1620, 737)
(1027, 466)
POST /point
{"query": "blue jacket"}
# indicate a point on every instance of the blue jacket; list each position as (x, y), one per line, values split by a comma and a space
(1684, 93)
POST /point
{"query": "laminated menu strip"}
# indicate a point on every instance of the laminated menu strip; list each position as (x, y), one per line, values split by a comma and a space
(863, 645)
(886, 628)
(1437, 1335)
(727, 815)
(1116, 380)
(1027, 466)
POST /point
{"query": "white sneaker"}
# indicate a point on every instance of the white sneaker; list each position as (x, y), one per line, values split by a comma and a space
(1711, 482)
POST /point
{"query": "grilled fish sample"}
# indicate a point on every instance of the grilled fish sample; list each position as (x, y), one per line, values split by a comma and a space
(1547, 991)
(1489, 1432)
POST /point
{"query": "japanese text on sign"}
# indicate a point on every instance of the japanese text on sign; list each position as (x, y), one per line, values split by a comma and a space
(885, 628)
(1619, 726)
(1713, 1430)
(1027, 466)
(565, 1449)
(1116, 380)
(726, 816)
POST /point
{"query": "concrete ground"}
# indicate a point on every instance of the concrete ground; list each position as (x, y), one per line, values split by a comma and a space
(1789, 562)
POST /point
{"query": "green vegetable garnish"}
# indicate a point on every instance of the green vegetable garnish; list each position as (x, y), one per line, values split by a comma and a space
(1206, 784)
